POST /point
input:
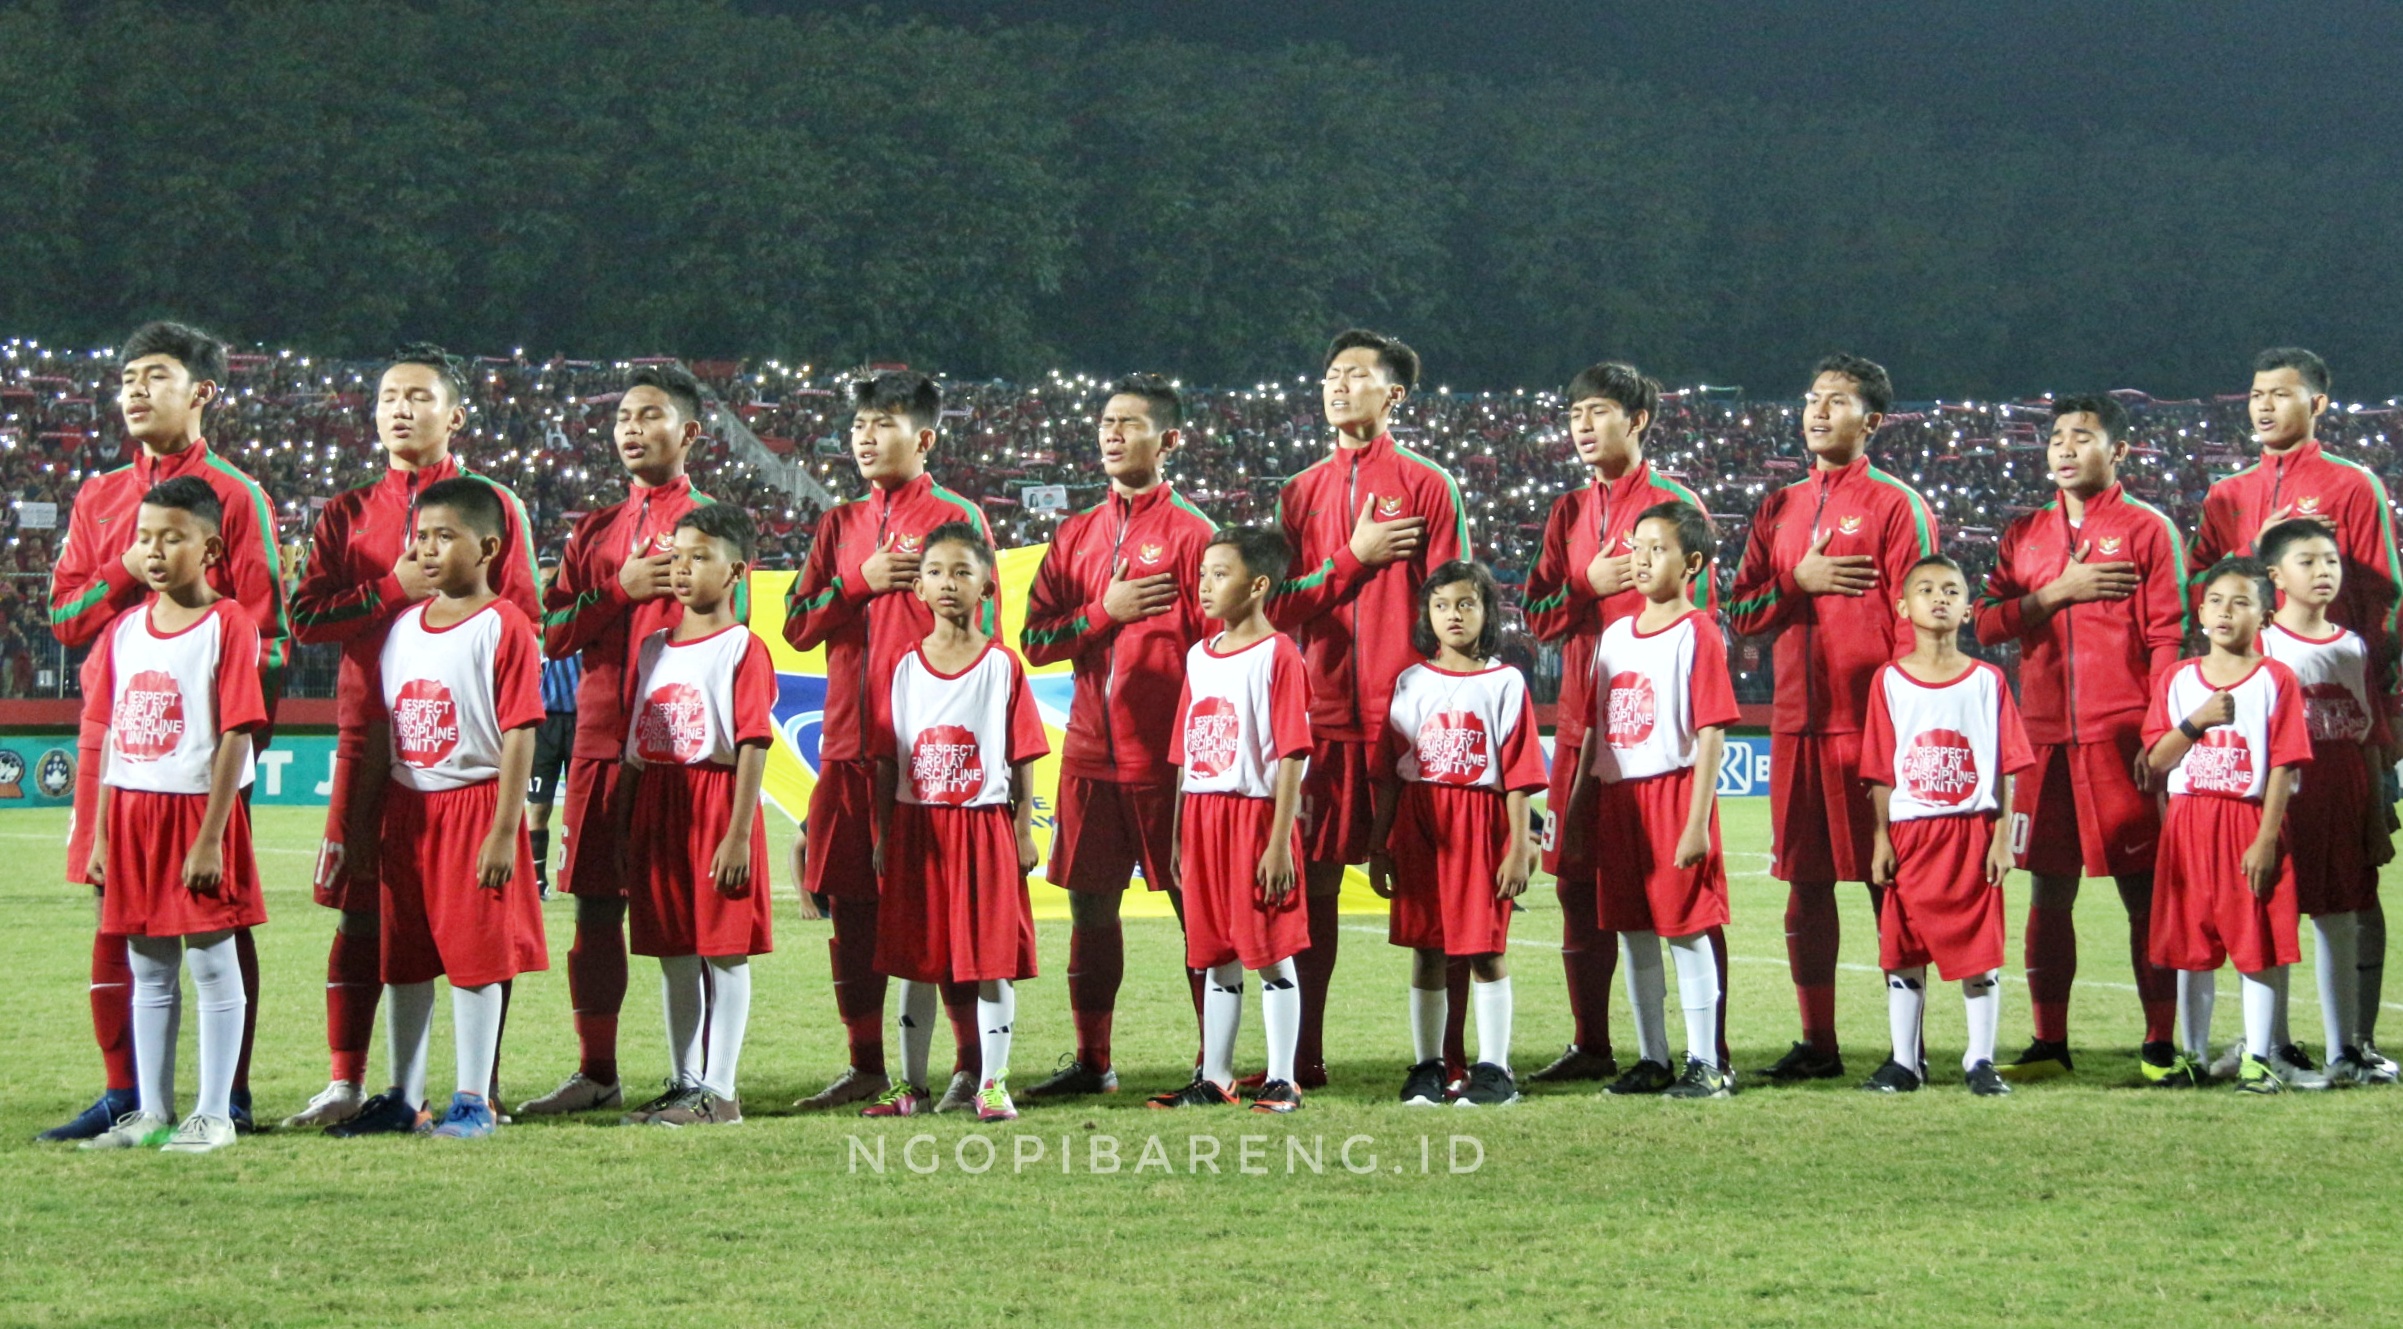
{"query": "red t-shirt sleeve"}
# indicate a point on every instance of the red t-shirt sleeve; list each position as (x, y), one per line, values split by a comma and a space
(1289, 700)
(1877, 734)
(1710, 692)
(2157, 719)
(754, 693)
(1027, 739)
(241, 705)
(2011, 736)
(1523, 752)
(1176, 733)
(2289, 730)
(516, 672)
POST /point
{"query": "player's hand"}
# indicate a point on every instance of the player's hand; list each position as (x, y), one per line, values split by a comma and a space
(1144, 597)
(1998, 860)
(2141, 771)
(2377, 843)
(1176, 862)
(2082, 582)
(95, 870)
(1380, 874)
(1610, 573)
(2280, 515)
(1823, 573)
(1882, 861)
(415, 584)
(204, 867)
(1377, 543)
(730, 868)
(1028, 859)
(2261, 866)
(1693, 846)
(1510, 879)
(646, 576)
(889, 569)
(2219, 710)
(1275, 874)
(134, 564)
(876, 859)
(496, 861)
(810, 912)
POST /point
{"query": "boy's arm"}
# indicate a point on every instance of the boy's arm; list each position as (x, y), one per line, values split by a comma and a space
(1693, 845)
(96, 871)
(1881, 853)
(2261, 856)
(87, 591)
(2171, 747)
(204, 863)
(330, 605)
(497, 862)
(1999, 859)
(1022, 814)
(1276, 874)
(888, 775)
(1176, 828)
(1518, 862)
(732, 870)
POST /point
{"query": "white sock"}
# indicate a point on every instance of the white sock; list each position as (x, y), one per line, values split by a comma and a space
(1280, 1017)
(2338, 968)
(1647, 993)
(217, 978)
(1491, 1002)
(995, 1016)
(729, 1016)
(476, 1035)
(1222, 1016)
(409, 1029)
(1983, 995)
(1698, 995)
(158, 998)
(2280, 1033)
(684, 998)
(2370, 925)
(2261, 1008)
(1429, 1008)
(1906, 1007)
(2198, 991)
(918, 1005)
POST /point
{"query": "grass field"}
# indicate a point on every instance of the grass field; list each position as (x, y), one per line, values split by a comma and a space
(2083, 1201)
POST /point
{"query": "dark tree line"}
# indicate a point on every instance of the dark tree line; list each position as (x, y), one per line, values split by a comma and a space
(614, 177)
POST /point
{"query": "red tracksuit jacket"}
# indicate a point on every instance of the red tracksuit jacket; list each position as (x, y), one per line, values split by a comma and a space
(2311, 483)
(1353, 622)
(90, 586)
(1830, 645)
(1128, 675)
(348, 592)
(587, 608)
(865, 634)
(1561, 604)
(2086, 673)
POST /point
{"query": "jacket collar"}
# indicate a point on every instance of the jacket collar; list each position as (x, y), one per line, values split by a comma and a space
(888, 499)
(1858, 466)
(153, 469)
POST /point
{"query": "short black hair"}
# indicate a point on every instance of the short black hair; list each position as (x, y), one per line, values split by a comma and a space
(445, 366)
(1695, 534)
(473, 500)
(727, 522)
(1876, 386)
(2313, 369)
(1616, 380)
(1399, 362)
(962, 533)
(674, 380)
(2252, 569)
(188, 493)
(201, 355)
(1489, 637)
(2105, 409)
(1935, 561)
(1264, 552)
(1161, 400)
(902, 392)
(2275, 541)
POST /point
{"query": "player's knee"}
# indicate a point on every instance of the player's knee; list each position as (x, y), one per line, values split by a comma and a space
(1094, 911)
(593, 911)
(2049, 892)
(360, 923)
(1488, 968)
(1324, 879)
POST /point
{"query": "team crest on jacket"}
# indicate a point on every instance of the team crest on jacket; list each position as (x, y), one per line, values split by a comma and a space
(149, 718)
(1627, 541)
(1210, 735)
(2109, 544)
(673, 725)
(663, 543)
(2333, 714)
(1389, 508)
(2308, 505)
(1453, 748)
(908, 544)
(425, 722)
(1630, 710)
(1848, 525)
(1148, 554)
(2221, 764)
(1939, 767)
(944, 765)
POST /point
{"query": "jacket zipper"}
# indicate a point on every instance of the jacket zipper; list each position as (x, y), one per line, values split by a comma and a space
(2069, 640)
(1351, 492)
(866, 620)
(1812, 625)
(1109, 659)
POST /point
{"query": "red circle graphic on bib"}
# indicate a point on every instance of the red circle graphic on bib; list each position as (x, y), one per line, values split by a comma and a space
(1630, 709)
(148, 720)
(1939, 767)
(1211, 730)
(2221, 764)
(673, 726)
(1454, 748)
(425, 722)
(944, 765)
(2334, 714)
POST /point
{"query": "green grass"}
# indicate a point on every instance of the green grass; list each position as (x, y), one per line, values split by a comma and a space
(2083, 1201)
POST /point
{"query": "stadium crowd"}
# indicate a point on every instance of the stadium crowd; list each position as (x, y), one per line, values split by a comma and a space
(303, 427)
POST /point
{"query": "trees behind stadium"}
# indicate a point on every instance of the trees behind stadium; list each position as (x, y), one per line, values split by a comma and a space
(623, 178)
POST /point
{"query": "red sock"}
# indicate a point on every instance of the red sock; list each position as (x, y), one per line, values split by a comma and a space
(1096, 966)
(959, 1004)
(1812, 935)
(1315, 968)
(1590, 957)
(1193, 977)
(858, 989)
(2156, 988)
(596, 987)
(353, 987)
(2052, 964)
(246, 956)
(1718, 955)
(492, 1094)
(112, 1009)
(1455, 1017)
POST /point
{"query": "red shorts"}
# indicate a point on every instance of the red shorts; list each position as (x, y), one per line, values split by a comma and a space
(148, 837)
(680, 816)
(80, 818)
(1447, 845)
(2079, 812)
(841, 825)
(1226, 922)
(1941, 911)
(1820, 820)
(593, 845)
(2329, 824)
(1638, 885)
(2203, 912)
(1101, 829)
(1337, 808)
(954, 902)
(1565, 757)
(354, 816)
(437, 921)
